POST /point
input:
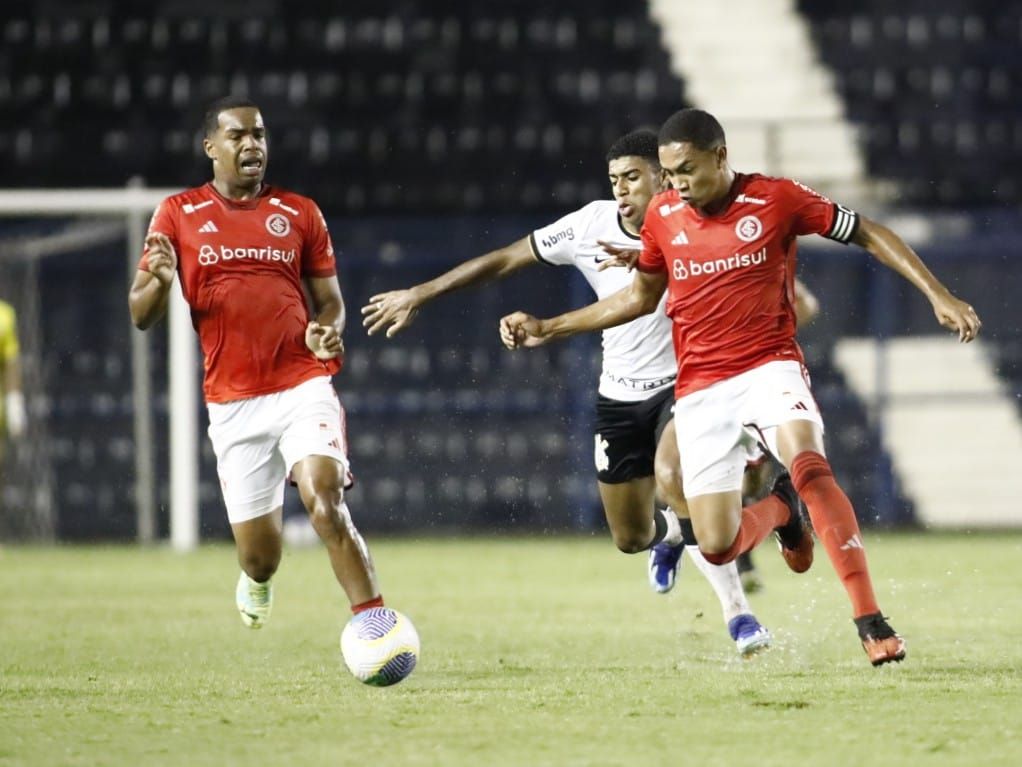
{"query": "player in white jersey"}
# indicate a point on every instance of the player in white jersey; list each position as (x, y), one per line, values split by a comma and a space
(639, 369)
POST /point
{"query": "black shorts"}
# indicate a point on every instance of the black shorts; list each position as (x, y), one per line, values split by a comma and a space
(627, 434)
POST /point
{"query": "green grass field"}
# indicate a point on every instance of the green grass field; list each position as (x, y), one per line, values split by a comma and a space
(535, 652)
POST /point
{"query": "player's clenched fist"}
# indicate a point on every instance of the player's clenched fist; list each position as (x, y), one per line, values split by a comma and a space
(956, 315)
(521, 329)
(323, 340)
(161, 256)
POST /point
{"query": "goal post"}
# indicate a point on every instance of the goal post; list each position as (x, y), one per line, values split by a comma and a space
(133, 204)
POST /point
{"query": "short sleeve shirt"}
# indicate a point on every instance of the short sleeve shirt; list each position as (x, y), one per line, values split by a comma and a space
(731, 275)
(638, 360)
(241, 265)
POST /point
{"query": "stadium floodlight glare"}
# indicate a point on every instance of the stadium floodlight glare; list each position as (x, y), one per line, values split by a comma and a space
(134, 203)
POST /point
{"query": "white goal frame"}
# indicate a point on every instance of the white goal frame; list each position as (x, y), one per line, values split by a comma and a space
(135, 203)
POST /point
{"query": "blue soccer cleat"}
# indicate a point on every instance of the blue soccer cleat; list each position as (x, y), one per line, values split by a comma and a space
(664, 561)
(750, 637)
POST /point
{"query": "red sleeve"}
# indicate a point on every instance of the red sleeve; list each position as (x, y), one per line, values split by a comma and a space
(812, 213)
(317, 250)
(165, 222)
(651, 259)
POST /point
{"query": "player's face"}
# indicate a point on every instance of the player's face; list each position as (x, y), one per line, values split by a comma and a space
(699, 175)
(634, 181)
(238, 147)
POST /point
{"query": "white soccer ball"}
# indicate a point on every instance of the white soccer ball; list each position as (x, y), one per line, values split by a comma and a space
(380, 646)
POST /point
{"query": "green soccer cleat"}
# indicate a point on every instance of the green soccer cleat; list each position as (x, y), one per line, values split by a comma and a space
(254, 600)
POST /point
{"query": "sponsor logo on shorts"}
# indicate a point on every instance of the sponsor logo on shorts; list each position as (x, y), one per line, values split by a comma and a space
(682, 269)
(209, 255)
(600, 457)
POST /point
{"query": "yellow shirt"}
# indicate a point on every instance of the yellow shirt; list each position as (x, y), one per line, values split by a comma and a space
(8, 334)
(8, 347)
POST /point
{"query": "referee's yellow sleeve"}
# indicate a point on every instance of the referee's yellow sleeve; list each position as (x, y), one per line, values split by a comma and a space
(8, 332)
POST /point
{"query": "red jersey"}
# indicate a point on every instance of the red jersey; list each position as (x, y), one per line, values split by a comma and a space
(731, 275)
(241, 264)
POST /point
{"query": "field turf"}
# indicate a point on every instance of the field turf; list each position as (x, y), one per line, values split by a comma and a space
(535, 652)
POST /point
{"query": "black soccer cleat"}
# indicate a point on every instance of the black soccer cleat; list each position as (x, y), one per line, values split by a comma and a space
(794, 537)
(881, 643)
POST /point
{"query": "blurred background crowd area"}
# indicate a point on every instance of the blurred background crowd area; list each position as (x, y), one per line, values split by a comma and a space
(432, 132)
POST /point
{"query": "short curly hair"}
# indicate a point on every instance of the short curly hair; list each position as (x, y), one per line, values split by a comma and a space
(638, 143)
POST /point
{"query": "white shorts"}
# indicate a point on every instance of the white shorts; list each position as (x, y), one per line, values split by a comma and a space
(717, 427)
(258, 441)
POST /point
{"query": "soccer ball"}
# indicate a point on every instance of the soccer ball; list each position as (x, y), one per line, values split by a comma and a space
(380, 646)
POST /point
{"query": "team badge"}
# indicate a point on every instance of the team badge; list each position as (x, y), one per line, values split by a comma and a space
(748, 228)
(278, 225)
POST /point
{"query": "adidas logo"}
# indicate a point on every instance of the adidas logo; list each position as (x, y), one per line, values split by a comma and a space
(208, 227)
(855, 542)
(799, 406)
(680, 239)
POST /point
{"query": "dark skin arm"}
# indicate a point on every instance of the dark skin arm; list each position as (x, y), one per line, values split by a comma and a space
(149, 293)
(806, 304)
(396, 309)
(891, 251)
(323, 334)
(639, 298)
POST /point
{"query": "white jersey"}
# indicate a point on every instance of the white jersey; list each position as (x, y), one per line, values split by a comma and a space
(638, 357)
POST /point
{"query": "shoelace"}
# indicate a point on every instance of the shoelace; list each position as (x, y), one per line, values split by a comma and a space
(259, 592)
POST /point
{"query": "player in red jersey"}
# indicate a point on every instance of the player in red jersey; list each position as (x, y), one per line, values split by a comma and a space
(723, 244)
(243, 251)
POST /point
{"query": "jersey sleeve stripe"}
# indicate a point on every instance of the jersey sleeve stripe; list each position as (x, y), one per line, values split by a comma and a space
(846, 222)
(535, 250)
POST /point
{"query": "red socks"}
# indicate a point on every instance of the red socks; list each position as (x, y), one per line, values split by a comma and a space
(758, 521)
(835, 525)
(363, 606)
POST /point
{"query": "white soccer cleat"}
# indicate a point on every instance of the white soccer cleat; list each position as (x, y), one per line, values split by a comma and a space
(254, 600)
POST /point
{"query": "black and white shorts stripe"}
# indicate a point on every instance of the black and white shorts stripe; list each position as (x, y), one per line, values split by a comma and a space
(846, 221)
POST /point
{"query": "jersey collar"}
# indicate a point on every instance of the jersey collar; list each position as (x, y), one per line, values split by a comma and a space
(240, 204)
(625, 232)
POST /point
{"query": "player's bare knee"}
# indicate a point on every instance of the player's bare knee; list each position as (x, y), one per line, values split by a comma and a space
(260, 565)
(630, 540)
(714, 542)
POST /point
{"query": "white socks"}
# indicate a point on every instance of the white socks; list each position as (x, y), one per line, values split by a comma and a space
(725, 581)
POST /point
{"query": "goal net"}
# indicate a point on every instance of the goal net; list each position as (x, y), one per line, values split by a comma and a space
(96, 390)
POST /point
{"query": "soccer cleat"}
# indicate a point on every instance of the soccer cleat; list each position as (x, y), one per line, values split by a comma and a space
(881, 643)
(254, 601)
(664, 561)
(794, 537)
(748, 573)
(750, 637)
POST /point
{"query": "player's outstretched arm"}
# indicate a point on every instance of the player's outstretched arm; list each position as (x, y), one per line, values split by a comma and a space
(639, 298)
(147, 299)
(395, 310)
(889, 249)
